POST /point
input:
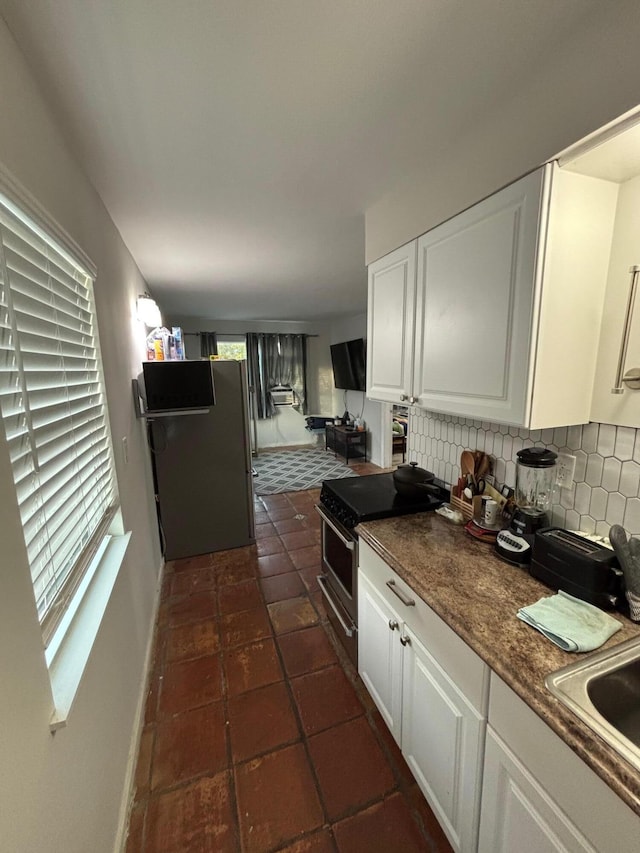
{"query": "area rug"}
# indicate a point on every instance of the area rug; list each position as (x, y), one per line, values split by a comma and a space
(296, 470)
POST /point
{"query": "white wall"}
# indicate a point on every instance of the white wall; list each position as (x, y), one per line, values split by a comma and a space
(287, 427)
(624, 408)
(62, 793)
(592, 79)
(372, 412)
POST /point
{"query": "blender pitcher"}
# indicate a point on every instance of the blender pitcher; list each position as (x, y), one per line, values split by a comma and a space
(535, 481)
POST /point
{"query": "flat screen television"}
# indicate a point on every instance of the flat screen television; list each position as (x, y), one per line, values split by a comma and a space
(348, 360)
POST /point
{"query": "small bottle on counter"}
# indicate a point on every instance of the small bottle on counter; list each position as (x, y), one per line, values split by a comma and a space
(176, 331)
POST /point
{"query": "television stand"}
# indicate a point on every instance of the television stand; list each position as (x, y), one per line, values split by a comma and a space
(346, 441)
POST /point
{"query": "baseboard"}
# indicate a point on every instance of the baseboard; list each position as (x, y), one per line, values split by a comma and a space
(274, 448)
(128, 792)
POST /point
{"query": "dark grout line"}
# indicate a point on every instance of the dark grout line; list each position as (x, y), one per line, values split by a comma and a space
(163, 625)
(303, 736)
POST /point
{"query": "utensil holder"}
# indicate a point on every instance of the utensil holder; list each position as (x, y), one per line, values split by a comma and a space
(462, 504)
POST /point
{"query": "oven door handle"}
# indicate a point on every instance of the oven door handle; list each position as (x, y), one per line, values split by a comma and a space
(348, 543)
(322, 583)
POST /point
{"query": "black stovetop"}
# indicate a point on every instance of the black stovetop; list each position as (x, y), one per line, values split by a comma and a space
(355, 499)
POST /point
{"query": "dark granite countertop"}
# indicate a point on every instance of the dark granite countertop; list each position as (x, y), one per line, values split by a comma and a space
(478, 595)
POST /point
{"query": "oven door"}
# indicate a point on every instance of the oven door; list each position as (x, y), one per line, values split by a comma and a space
(339, 580)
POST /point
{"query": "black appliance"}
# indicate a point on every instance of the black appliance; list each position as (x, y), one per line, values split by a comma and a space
(349, 365)
(176, 385)
(201, 462)
(587, 570)
(515, 542)
(344, 504)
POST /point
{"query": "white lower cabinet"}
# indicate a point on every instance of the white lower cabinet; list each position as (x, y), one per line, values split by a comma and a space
(538, 795)
(515, 807)
(498, 779)
(380, 655)
(431, 690)
(442, 742)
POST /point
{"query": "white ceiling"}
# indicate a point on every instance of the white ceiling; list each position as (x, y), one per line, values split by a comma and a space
(237, 143)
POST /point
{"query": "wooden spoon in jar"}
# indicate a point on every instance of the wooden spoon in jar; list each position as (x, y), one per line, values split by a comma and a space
(468, 464)
(484, 466)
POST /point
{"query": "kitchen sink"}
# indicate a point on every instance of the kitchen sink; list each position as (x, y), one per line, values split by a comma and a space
(604, 691)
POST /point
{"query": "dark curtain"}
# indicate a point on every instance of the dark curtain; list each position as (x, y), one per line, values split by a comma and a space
(277, 360)
(208, 344)
(259, 375)
(293, 367)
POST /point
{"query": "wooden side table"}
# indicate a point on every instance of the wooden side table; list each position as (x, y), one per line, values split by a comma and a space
(346, 441)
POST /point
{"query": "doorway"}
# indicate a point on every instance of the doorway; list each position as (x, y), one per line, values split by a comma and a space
(399, 434)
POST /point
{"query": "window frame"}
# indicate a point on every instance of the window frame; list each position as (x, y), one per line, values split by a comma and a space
(21, 205)
(223, 338)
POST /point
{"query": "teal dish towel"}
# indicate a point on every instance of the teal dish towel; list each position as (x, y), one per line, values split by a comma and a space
(570, 623)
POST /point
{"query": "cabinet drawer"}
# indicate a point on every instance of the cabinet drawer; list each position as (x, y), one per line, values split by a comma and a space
(463, 665)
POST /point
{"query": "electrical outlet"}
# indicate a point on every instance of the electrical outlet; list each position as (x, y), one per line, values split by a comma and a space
(125, 450)
(565, 470)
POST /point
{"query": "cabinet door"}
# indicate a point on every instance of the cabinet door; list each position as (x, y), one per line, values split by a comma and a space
(442, 742)
(380, 653)
(535, 785)
(515, 807)
(390, 325)
(475, 306)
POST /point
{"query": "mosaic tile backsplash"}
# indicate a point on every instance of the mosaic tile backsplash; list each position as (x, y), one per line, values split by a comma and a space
(606, 487)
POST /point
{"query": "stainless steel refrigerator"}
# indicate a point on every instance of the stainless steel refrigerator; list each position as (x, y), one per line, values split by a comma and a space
(202, 466)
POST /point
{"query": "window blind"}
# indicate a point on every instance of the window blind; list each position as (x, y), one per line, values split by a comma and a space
(53, 408)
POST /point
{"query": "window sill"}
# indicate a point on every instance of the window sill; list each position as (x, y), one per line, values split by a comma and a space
(71, 644)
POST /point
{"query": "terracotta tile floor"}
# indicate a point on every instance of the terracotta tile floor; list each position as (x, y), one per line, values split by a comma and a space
(259, 736)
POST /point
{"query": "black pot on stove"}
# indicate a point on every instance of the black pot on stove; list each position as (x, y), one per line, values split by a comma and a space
(410, 481)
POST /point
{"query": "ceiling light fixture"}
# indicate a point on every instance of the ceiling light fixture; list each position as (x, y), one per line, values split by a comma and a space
(148, 311)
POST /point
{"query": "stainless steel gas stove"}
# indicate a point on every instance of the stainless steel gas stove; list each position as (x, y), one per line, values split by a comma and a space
(343, 505)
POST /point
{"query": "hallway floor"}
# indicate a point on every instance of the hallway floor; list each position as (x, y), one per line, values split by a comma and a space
(259, 736)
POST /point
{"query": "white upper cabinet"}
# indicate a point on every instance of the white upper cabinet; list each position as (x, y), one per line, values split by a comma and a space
(474, 306)
(508, 305)
(390, 323)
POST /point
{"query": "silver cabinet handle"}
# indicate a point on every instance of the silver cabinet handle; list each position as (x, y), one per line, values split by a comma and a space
(632, 377)
(414, 400)
(403, 397)
(408, 602)
(322, 583)
(405, 641)
(348, 543)
(393, 624)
